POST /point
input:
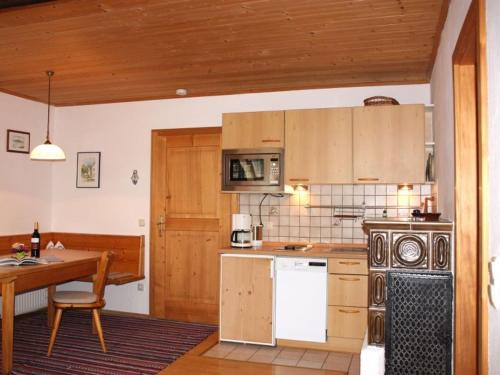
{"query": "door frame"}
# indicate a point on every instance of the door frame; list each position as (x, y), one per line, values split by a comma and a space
(471, 195)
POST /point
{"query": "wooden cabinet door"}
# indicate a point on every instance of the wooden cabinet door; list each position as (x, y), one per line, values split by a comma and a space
(347, 322)
(253, 129)
(318, 146)
(389, 144)
(348, 290)
(246, 302)
(190, 222)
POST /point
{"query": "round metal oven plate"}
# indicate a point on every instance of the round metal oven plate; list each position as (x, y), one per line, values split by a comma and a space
(410, 251)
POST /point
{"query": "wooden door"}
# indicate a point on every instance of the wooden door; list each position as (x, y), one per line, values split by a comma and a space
(190, 222)
(253, 129)
(318, 146)
(247, 299)
(388, 144)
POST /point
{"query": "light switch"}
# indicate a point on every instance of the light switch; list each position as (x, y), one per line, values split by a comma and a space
(142, 223)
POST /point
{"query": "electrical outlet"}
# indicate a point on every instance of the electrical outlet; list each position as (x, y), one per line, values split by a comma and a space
(140, 287)
(142, 222)
(274, 211)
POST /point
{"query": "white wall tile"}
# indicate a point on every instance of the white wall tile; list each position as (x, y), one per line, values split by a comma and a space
(380, 189)
(285, 221)
(369, 189)
(304, 221)
(294, 221)
(315, 189)
(326, 189)
(392, 189)
(425, 189)
(347, 189)
(315, 221)
(337, 189)
(359, 190)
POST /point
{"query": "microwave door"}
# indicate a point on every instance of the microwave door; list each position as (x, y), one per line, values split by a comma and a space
(245, 170)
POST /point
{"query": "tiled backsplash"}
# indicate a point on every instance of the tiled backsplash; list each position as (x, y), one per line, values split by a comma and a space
(300, 217)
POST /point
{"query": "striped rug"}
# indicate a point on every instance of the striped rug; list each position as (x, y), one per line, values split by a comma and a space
(135, 345)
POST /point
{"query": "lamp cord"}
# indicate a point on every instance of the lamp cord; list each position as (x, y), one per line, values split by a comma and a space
(50, 74)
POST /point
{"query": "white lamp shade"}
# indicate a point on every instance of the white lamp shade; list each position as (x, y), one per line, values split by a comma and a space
(47, 151)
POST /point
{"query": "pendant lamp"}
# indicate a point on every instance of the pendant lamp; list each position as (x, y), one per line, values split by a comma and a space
(47, 150)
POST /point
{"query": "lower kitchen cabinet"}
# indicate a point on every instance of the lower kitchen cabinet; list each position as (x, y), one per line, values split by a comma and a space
(347, 302)
(246, 299)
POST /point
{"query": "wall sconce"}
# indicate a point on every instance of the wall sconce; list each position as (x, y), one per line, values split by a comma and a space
(135, 177)
(405, 187)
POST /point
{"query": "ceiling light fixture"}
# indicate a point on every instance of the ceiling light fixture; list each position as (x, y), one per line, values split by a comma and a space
(181, 92)
(47, 150)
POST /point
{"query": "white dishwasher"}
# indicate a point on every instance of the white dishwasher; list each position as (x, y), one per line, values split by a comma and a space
(301, 298)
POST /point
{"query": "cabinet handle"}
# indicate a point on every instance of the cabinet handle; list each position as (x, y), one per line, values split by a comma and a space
(349, 263)
(349, 278)
(349, 311)
(368, 179)
(298, 179)
(270, 140)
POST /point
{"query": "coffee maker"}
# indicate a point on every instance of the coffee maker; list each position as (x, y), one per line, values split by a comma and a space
(241, 236)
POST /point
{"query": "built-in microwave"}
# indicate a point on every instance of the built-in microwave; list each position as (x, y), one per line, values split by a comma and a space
(253, 170)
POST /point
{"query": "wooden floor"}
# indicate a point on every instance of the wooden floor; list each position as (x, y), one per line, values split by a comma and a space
(194, 362)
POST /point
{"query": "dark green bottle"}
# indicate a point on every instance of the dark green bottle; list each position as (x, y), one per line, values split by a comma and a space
(35, 242)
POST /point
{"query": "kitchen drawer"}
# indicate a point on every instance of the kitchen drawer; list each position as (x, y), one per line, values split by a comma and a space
(348, 290)
(348, 266)
(347, 322)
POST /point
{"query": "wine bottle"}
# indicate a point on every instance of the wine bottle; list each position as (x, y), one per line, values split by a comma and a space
(35, 242)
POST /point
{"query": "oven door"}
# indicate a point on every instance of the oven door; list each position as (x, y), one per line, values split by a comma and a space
(249, 171)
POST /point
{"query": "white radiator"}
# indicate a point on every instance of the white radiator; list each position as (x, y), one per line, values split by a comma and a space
(30, 301)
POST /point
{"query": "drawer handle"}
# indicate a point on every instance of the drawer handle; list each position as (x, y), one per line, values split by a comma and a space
(349, 278)
(298, 179)
(368, 179)
(349, 263)
(270, 140)
(349, 311)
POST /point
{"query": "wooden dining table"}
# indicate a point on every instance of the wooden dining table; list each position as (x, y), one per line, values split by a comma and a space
(15, 279)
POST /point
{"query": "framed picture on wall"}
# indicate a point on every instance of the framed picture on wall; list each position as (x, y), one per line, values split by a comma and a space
(88, 169)
(18, 141)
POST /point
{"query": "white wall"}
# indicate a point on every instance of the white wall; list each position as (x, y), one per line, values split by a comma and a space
(25, 185)
(122, 132)
(442, 98)
(493, 61)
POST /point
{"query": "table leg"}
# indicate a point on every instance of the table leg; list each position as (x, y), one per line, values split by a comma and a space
(8, 294)
(51, 289)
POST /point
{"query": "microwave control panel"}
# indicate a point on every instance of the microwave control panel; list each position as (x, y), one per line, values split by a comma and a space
(274, 175)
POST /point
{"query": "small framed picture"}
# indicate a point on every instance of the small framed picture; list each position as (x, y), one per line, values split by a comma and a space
(18, 141)
(88, 169)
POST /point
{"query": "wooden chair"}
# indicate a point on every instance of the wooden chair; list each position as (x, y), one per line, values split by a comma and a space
(83, 300)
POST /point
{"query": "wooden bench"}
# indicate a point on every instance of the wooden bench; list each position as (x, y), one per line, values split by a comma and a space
(128, 259)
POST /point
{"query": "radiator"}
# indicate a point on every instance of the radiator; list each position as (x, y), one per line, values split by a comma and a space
(30, 301)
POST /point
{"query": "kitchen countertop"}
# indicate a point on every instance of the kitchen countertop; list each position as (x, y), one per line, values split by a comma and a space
(406, 224)
(354, 251)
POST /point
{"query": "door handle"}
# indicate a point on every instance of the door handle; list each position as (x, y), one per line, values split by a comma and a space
(161, 226)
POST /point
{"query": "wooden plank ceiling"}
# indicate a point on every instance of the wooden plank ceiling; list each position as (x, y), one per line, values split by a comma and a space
(113, 50)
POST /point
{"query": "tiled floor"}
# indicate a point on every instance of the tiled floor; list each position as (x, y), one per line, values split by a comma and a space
(315, 359)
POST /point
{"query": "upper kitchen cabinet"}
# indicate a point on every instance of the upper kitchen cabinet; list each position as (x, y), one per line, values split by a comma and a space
(253, 129)
(318, 146)
(388, 144)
